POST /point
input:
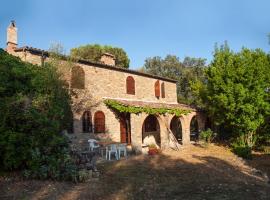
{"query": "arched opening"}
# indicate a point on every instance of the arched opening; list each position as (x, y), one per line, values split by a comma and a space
(194, 130)
(87, 122)
(77, 78)
(151, 131)
(130, 85)
(99, 120)
(176, 128)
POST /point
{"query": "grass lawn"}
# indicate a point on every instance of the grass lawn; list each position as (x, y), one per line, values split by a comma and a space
(193, 173)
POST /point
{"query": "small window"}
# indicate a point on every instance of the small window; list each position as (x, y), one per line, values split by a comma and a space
(162, 90)
(150, 124)
(130, 85)
(87, 122)
(77, 78)
(99, 122)
(157, 89)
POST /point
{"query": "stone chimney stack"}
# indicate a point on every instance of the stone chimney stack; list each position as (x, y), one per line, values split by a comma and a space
(107, 59)
(12, 37)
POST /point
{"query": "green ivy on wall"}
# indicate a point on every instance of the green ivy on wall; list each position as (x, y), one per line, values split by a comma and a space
(115, 105)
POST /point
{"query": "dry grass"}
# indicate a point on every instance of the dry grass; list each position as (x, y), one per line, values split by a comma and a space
(193, 173)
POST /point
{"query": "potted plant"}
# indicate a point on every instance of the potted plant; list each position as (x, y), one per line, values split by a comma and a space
(152, 149)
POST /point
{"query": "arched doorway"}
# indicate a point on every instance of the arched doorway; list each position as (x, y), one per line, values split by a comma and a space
(87, 122)
(194, 129)
(151, 131)
(176, 128)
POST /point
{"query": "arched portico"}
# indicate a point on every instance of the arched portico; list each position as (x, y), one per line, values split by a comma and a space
(151, 131)
(176, 128)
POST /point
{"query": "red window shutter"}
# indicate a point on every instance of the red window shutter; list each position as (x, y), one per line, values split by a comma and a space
(99, 122)
(157, 89)
(162, 90)
(130, 85)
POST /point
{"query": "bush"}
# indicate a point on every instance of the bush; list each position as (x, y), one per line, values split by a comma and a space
(244, 152)
(240, 148)
(35, 108)
(207, 136)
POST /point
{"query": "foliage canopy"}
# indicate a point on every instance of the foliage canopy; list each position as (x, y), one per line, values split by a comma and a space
(35, 108)
(93, 52)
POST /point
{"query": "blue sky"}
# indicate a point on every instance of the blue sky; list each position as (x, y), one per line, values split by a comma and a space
(144, 28)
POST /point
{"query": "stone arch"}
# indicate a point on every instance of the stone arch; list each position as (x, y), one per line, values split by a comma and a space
(151, 131)
(177, 128)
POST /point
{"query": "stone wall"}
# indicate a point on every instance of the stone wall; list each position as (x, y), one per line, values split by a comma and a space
(101, 83)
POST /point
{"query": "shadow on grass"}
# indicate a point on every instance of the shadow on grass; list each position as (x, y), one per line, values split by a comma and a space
(157, 177)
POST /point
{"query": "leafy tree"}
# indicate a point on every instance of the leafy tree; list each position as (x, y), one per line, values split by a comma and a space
(238, 91)
(94, 52)
(186, 73)
(35, 108)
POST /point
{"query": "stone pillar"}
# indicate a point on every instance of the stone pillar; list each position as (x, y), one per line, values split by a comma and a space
(136, 122)
(164, 133)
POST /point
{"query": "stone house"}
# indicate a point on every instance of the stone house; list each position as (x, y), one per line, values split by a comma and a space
(95, 83)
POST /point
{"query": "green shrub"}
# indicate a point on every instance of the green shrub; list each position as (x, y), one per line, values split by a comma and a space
(207, 136)
(35, 108)
(240, 148)
(244, 152)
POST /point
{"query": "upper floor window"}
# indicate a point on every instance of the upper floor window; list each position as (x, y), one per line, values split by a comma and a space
(99, 120)
(77, 78)
(157, 89)
(163, 90)
(130, 85)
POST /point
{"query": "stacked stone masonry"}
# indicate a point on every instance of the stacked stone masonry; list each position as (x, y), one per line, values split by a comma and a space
(102, 82)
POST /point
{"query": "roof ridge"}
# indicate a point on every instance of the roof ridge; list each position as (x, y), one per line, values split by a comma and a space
(89, 62)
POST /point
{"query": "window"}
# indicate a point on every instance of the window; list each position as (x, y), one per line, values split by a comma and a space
(162, 90)
(77, 78)
(150, 124)
(87, 122)
(157, 89)
(130, 85)
(99, 122)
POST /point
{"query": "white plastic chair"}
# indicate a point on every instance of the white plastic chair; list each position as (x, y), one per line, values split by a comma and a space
(93, 144)
(122, 148)
(112, 149)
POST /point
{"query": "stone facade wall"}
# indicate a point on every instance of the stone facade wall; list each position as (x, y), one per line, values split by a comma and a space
(28, 57)
(103, 83)
(109, 83)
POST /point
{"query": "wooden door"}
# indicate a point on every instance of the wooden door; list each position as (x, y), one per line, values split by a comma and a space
(125, 128)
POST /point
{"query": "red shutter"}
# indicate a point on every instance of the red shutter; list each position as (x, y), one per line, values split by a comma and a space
(99, 122)
(162, 90)
(130, 85)
(157, 89)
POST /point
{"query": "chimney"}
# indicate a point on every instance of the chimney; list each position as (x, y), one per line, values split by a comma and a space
(107, 59)
(11, 37)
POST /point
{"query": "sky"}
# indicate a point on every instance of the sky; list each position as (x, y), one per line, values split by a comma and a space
(143, 28)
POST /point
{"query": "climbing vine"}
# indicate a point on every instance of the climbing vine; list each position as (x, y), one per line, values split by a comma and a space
(115, 105)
